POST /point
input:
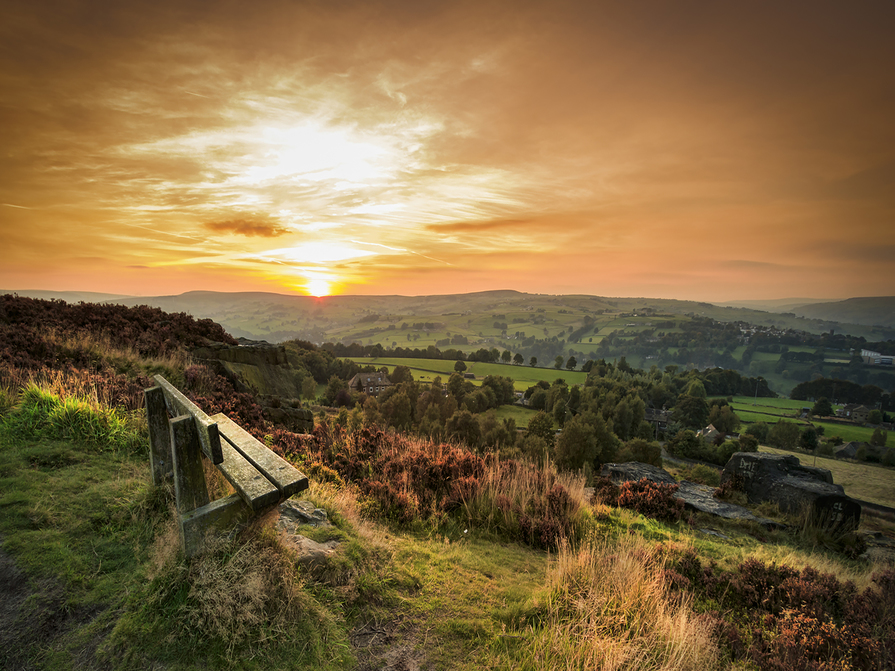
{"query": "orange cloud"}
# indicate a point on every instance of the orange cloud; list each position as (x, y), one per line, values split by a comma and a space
(248, 227)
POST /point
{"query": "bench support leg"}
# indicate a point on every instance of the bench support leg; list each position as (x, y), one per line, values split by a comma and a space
(220, 515)
(159, 435)
(189, 476)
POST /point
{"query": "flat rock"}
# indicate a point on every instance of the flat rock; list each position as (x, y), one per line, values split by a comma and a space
(702, 498)
(296, 513)
(293, 514)
(695, 496)
(634, 470)
(310, 551)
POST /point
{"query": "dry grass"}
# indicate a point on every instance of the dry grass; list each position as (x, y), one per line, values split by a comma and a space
(610, 609)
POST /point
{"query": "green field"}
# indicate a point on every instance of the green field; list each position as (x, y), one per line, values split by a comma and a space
(521, 415)
(772, 410)
(866, 482)
(426, 370)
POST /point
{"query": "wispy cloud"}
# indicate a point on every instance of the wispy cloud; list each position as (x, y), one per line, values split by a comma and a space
(248, 227)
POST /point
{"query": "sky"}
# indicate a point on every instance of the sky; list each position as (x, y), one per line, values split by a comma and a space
(695, 150)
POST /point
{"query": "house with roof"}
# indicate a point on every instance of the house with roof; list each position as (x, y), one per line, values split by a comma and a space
(371, 384)
(709, 433)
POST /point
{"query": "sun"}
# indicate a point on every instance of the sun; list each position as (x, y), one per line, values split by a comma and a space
(318, 287)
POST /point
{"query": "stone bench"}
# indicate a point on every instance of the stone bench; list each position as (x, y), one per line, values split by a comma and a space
(181, 434)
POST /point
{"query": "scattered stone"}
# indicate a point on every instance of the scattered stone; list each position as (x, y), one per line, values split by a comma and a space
(712, 532)
(795, 488)
(293, 514)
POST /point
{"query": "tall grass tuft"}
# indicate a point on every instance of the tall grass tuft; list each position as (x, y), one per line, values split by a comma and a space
(40, 414)
(241, 593)
(610, 608)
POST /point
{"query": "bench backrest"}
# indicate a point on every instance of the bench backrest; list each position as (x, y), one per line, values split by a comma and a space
(178, 404)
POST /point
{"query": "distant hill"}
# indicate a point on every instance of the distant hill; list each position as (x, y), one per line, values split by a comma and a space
(778, 305)
(870, 311)
(67, 296)
(277, 317)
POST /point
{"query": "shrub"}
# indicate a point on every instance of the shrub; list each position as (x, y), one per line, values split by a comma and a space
(705, 475)
(651, 499)
(644, 451)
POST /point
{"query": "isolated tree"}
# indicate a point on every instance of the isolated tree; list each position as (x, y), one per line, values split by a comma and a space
(506, 356)
(533, 361)
(822, 408)
(518, 359)
(335, 385)
(309, 388)
(559, 412)
(760, 430)
(576, 445)
(571, 363)
(692, 412)
(464, 426)
(541, 425)
(874, 417)
(401, 374)
(879, 437)
(557, 363)
(459, 366)
(784, 435)
(724, 419)
(808, 439)
(538, 400)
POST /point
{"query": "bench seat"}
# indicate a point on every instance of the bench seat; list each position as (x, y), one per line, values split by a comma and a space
(260, 477)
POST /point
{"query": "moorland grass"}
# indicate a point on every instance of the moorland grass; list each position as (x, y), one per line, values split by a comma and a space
(459, 594)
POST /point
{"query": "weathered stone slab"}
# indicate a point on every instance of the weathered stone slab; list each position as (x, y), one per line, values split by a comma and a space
(634, 470)
(795, 488)
(295, 513)
(702, 498)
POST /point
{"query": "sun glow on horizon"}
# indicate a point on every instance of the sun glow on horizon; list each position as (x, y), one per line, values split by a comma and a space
(318, 287)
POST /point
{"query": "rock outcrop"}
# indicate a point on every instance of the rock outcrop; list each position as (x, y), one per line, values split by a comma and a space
(795, 488)
(262, 369)
(695, 496)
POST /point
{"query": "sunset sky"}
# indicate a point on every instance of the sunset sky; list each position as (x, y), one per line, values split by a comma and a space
(698, 150)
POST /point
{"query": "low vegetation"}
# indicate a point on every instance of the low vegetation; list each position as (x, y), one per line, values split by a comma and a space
(452, 555)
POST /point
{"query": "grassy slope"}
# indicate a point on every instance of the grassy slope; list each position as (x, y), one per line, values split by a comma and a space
(90, 533)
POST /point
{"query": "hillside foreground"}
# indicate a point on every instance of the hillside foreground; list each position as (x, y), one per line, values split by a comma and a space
(94, 578)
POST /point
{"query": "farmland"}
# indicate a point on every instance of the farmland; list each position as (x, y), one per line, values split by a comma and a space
(772, 410)
(426, 370)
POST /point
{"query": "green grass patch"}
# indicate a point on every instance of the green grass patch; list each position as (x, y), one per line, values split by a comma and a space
(425, 370)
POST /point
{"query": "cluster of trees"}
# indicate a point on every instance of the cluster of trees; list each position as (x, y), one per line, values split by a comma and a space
(457, 410)
(842, 391)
